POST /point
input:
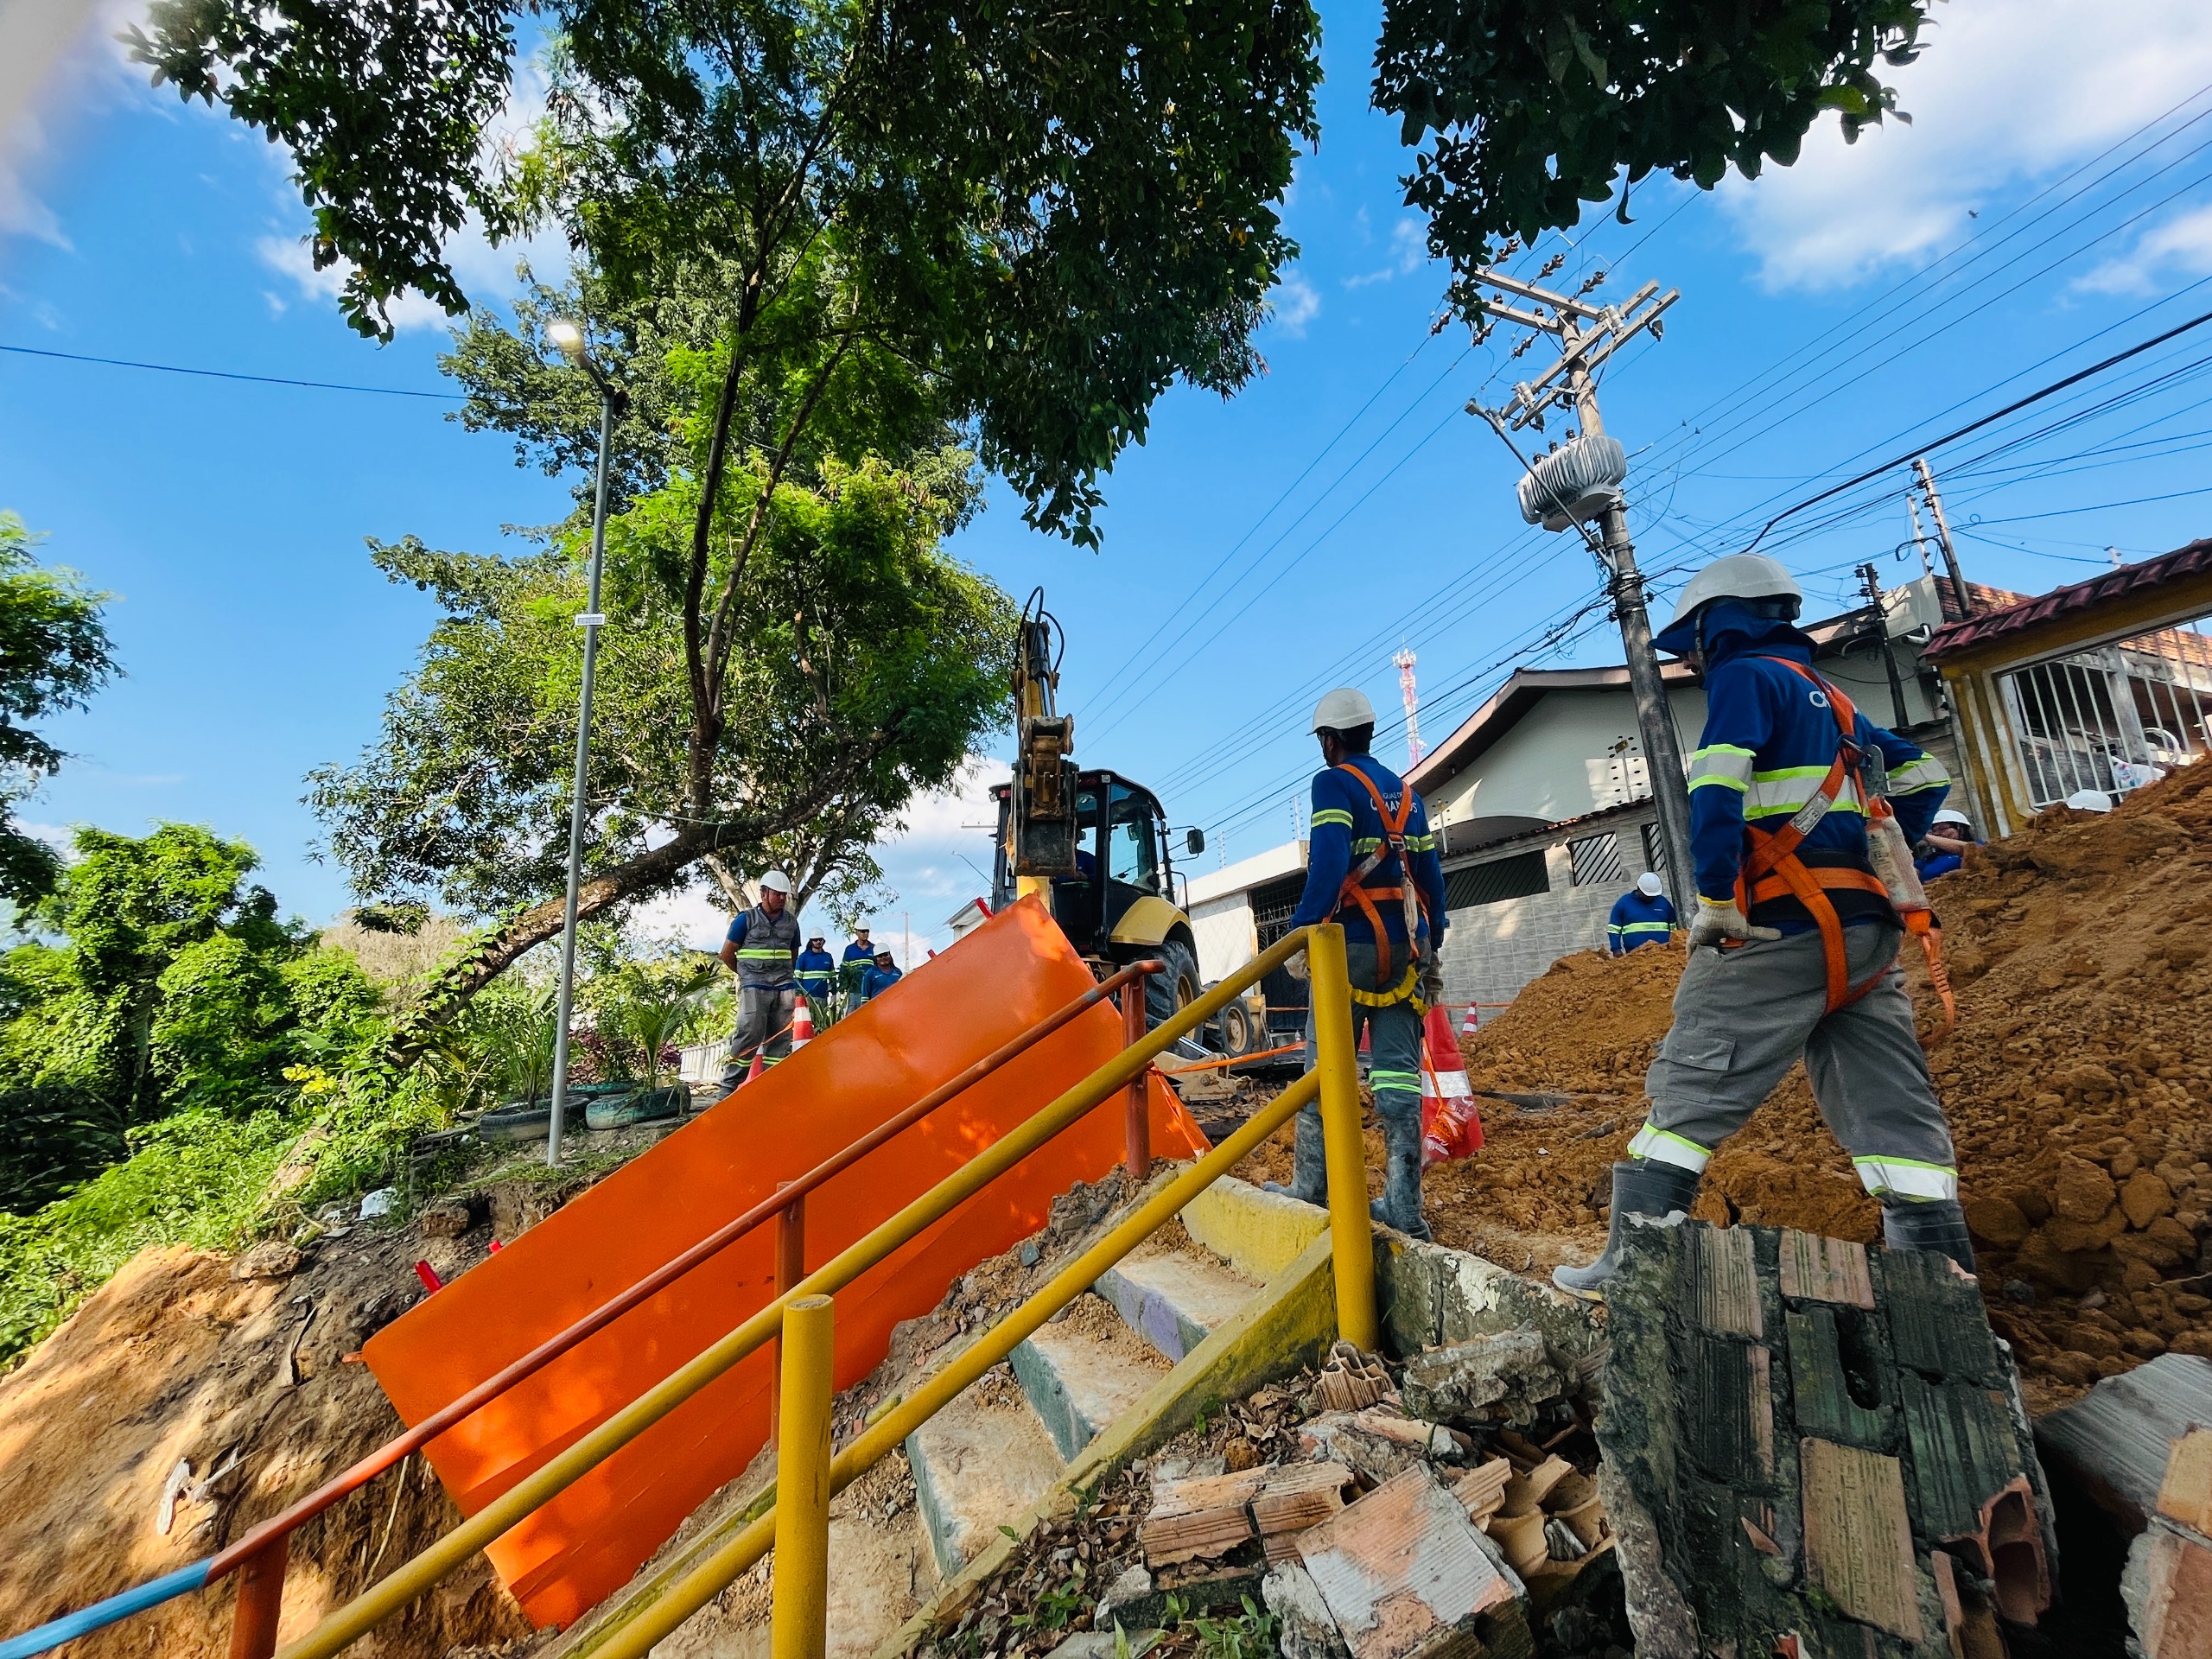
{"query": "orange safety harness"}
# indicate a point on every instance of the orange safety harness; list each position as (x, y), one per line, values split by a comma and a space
(1774, 869)
(1407, 893)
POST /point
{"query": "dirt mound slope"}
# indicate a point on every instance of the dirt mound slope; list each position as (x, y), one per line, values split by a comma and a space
(175, 1358)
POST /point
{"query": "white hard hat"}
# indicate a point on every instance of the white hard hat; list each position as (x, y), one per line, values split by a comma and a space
(775, 881)
(1342, 710)
(2089, 800)
(1648, 884)
(1740, 576)
(1952, 815)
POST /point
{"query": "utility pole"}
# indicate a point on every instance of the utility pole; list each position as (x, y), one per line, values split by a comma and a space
(1587, 336)
(1873, 578)
(1943, 536)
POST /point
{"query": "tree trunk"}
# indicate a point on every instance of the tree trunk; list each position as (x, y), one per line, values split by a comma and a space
(448, 993)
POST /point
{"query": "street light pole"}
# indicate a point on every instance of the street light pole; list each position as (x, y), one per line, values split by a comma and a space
(570, 339)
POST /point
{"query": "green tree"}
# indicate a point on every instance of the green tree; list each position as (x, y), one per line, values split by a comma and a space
(1525, 109)
(865, 666)
(55, 653)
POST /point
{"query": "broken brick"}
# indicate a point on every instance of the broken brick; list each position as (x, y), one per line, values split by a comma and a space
(1858, 1538)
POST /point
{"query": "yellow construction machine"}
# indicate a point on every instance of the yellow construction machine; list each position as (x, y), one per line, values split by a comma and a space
(1092, 846)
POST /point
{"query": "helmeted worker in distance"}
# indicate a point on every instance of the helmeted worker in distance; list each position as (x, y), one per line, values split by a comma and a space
(1372, 865)
(1643, 915)
(815, 969)
(858, 955)
(1945, 848)
(763, 947)
(880, 975)
(1794, 948)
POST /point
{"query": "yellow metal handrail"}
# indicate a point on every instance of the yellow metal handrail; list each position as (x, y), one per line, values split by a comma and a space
(1335, 1081)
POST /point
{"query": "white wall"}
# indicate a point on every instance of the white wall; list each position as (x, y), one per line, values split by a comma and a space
(1226, 936)
(1560, 760)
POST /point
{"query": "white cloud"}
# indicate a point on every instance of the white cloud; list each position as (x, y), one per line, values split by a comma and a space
(2007, 91)
(1409, 253)
(2181, 247)
(1294, 305)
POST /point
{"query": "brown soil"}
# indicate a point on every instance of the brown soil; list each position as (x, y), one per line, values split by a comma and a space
(2079, 1086)
(174, 1358)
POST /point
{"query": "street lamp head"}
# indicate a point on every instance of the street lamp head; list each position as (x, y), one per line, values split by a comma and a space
(568, 338)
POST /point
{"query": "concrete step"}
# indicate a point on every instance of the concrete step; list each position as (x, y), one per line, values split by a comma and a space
(980, 1464)
(1173, 1301)
(1083, 1370)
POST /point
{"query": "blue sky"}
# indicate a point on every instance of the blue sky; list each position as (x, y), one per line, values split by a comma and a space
(2050, 204)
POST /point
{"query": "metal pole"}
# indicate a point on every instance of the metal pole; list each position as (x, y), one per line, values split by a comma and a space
(1136, 1113)
(1873, 581)
(798, 1619)
(1967, 607)
(1351, 1233)
(261, 1599)
(590, 622)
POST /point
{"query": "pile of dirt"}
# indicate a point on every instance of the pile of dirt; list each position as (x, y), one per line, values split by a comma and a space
(2079, 1086)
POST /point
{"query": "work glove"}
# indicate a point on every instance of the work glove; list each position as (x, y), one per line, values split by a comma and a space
(1715, 923)
(1431, 988)
(1296, 967)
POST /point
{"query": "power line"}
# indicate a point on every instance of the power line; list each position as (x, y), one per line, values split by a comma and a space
(227, 374)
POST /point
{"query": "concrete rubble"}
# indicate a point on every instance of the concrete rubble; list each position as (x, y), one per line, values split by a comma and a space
(1812, 1448)
(2138, 1445)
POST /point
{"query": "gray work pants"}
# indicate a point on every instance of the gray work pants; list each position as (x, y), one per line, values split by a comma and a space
(764, 1025)
(1394, 1042)
(1742, 1017)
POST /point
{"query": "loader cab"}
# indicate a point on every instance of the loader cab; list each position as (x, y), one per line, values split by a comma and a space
(1125, 879)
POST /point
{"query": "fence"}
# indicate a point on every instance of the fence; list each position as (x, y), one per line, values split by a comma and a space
(2112, 719)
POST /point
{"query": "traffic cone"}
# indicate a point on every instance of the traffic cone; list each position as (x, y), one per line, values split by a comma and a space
(1469, 1025)
(1450, 1125)
(802, 1025)
(759, 1066)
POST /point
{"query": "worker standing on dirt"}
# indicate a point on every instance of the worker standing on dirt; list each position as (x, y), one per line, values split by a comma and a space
(1643, 915)
(763, 948)
(816, 967)
(1369, 833)
(1803, 933)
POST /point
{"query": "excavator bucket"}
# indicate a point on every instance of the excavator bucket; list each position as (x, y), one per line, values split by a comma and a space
(940, 1018)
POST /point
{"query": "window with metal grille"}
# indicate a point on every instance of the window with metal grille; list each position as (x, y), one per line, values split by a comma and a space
(1654, 850)
(1500, 879)
(1597, 860)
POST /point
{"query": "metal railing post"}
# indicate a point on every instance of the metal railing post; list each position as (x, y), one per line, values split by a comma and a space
(1336, 1060)
(790, 1268)
(799, 1623)
(261, 1599)
(1138, 1117)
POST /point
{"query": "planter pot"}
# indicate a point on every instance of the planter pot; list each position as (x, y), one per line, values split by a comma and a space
(647, 1106)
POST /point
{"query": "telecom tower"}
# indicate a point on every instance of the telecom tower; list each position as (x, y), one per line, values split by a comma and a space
(1404, 659)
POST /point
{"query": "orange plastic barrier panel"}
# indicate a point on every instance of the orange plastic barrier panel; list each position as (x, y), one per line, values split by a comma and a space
(940, 1018)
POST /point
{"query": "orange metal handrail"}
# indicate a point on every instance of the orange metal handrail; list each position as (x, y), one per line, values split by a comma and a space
(274, 1532)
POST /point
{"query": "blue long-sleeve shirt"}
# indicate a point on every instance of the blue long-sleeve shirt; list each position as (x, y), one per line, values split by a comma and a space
(1345, 829)
(815, 968)
(875, 980)
(1769, 739)
(1638, 920)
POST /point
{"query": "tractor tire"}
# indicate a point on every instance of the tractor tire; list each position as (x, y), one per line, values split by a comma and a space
(1175, 987)
(1237, 1035)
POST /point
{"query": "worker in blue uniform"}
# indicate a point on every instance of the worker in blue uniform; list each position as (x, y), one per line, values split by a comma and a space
(880, 975)
(1945, 850)
(816, 969)
(1643, 915)
(1794, 948)
(858, 955)
(1372, 865)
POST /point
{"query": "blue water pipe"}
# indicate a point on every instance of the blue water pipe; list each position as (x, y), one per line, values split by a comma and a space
(84, 1622)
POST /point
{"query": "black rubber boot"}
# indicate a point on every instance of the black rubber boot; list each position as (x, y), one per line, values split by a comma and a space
(1936, 1224)
(1309, 1180)
(1641, 1187)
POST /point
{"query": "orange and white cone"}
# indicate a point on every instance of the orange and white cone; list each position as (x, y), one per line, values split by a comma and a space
(1469, 1025)
(759, 1064)
(802, 1025)
(1450, 1125)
